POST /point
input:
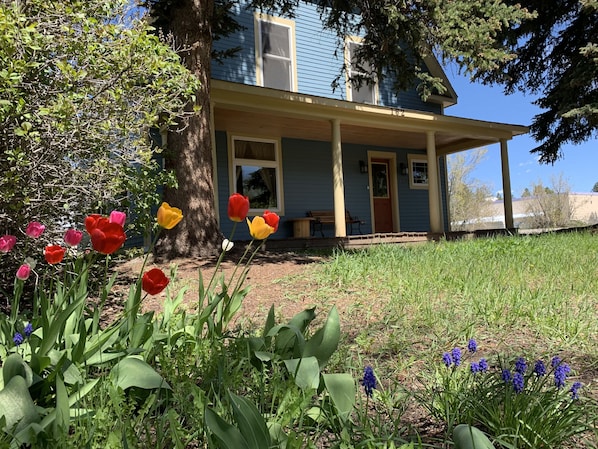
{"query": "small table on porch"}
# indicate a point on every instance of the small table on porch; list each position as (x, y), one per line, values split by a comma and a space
(302, 227)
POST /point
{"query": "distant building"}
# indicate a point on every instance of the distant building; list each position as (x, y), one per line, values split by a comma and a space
(577, 208)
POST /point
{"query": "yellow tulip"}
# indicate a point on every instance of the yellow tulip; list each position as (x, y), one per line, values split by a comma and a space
(169, 217)
(259, 229)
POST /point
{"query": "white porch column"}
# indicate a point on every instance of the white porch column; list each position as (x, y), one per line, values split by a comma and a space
(506, 184)
(340, 227)
(433, 184)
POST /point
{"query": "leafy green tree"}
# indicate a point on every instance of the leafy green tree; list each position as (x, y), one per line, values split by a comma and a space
(468, 197)
(550, 207)
(397, 38)
(595, 188)
(81, 83)
(557, 59)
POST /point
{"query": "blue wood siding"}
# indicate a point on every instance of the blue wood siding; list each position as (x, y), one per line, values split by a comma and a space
(317, 65)
(307, 177)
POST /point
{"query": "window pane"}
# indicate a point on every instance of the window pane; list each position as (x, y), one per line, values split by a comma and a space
(259, 185)
(379, 180)
(265, 151)
(419, 170)
(277, 73)
(365, 94)
(275, 40)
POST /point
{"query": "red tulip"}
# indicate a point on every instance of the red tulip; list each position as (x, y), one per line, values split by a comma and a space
(238, 207)
(107, 237)
(272, 219)
(154, 281)
(91, 222)
(54, 254)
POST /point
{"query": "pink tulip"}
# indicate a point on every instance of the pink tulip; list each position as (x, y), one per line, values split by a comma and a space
(7, 242)
(118, 217)
(35, 229)
(72, 237)
(23, 272)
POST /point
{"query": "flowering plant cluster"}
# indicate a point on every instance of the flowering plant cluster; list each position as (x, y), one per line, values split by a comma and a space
(64, 323)
(525, 399)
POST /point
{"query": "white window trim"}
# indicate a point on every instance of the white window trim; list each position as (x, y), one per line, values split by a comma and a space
(421, 158)
(277, 165)
(347, 56)
(258, 18)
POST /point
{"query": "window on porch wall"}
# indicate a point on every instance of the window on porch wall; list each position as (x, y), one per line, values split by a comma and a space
(256, 168)
(418, 173)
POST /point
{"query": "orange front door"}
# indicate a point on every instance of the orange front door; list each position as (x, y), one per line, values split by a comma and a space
(382, 195)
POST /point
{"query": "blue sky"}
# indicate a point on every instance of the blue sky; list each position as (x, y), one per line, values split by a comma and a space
(579, 166)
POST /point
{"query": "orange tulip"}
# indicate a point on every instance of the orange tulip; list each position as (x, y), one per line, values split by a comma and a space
(259, 229)
(238, 207)
(54, 254)
(169, 217)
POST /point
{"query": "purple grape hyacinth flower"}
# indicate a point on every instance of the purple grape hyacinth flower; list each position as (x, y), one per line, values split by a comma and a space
(483, 364)
(28, 330)
(518, 382)
(472, 346)
(539, 368)
(474, 367)
(446, 359)
(560, 375)
(520, 365)
(18, 338)
(506, 375)
(369, 381)
(456, 356)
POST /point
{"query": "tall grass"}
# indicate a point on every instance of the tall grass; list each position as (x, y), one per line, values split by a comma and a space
(531, 293)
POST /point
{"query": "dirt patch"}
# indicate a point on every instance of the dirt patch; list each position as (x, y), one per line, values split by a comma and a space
(270, 276)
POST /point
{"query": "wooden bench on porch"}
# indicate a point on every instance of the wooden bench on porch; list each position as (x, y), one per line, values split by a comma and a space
(326, 217)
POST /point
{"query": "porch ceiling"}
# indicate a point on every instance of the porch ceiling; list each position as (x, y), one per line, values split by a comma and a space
(257, 111)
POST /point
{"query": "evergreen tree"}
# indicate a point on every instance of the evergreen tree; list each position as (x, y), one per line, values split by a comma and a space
(557, 58)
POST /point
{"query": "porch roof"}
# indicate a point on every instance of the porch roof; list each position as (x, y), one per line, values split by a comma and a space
(258, 110)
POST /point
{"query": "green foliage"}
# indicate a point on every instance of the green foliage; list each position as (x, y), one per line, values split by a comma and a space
(469, 437)
(557, 59)
(538, 409)
(82, 84)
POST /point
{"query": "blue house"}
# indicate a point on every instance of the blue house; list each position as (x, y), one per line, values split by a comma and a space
(284, 138)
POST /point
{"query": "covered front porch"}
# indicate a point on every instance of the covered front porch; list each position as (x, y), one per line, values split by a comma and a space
(252, 110)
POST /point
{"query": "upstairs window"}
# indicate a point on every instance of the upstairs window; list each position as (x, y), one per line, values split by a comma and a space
(367, 92)
(275, 53)
(257, 172)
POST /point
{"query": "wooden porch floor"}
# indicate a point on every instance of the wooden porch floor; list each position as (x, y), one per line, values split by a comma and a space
(365, 240)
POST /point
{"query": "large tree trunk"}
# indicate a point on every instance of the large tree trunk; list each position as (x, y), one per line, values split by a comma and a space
(189, 151)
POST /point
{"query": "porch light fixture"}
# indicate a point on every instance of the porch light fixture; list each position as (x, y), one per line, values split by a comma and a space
(403, 169)
(363, 167)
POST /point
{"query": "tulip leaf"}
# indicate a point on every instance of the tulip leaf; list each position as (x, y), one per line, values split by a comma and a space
(14, 365)
(250, 422)
(341, 388)
(470, 437)
(16, 404)
(325, 341)
(132, 372)
(305, 371)
(228, 434)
